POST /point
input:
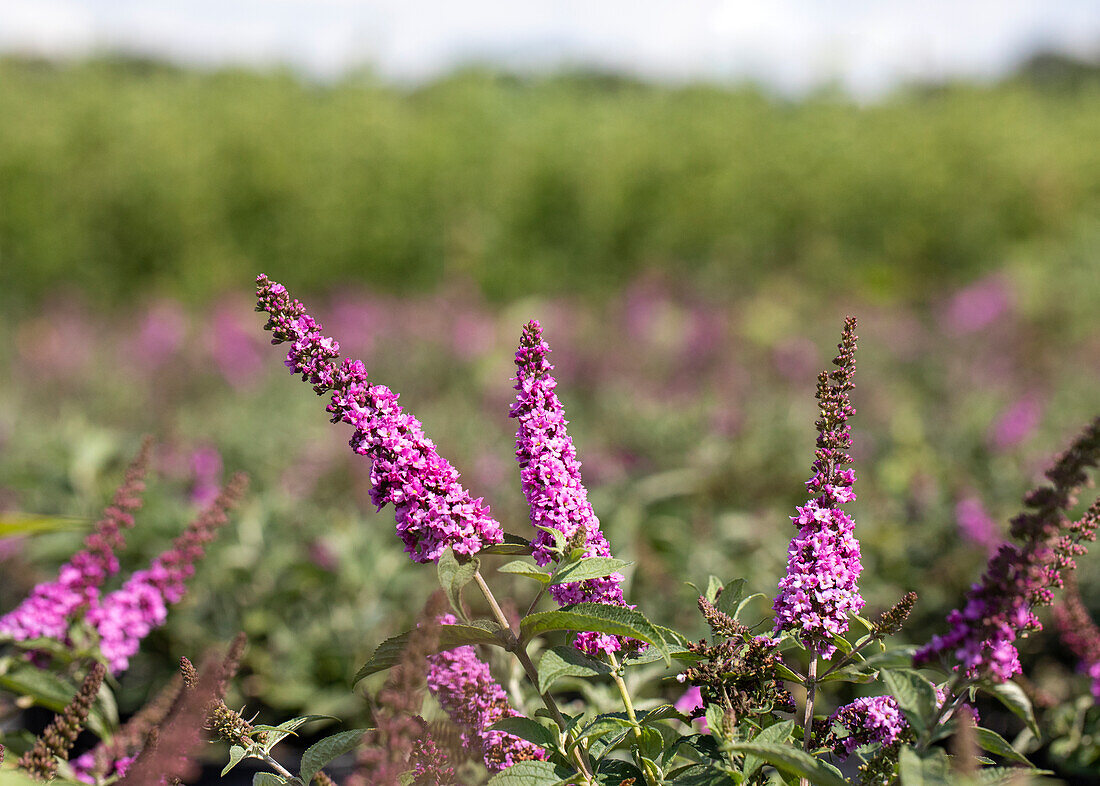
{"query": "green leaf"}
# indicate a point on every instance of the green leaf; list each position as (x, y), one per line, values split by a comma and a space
(12, 524)
(527, 729)
(745, 602)
(588, 568)
(713, 585)
(323, 751)
(513, 544)
(236, 753)
(598, 617)
(792, 760)
(842, 644)
(776, 734)
(994, 743)
(566, 661)
(1012, 696)
(531, 773)
(287, 728)
(526, 569)
(391, 651)
(786, 673)
(932, 770)
(915, 695)
(854, 672)
(604, 724)
(453, 576)
(731, 594)
(267, 779)
(612, 772)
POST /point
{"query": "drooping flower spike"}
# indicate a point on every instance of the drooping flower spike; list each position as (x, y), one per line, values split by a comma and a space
(57, 740)
(551, 477)
(432, 508)
(465, 688)
(820, 589)
(128, 615)
(1023, 573)
(1079, 633)
(52, 605)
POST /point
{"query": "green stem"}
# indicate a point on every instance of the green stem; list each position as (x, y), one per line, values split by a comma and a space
(520, 651)
(808, 713)
(616, 675)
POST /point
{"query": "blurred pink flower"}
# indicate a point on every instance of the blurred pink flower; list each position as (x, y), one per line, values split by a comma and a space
(1015, 423)
(978, 305)
(976, 525)
(160, 334)
(206, 473)
(233, 346)
(691, 701)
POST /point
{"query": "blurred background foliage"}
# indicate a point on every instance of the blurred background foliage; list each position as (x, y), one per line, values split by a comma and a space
(691, 252)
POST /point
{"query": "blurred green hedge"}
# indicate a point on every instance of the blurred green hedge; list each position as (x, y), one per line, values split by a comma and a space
(119, 177)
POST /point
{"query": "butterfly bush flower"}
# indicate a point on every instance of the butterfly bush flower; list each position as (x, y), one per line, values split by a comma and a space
(551, 477)
(867, 720)
(1023, 573)
(975, 524)
(129, 614)
(52, 605)
(465, 688)
(823, 565)
(432, 509)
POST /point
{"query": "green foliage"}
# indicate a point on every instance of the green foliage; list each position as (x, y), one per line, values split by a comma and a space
(129, 179)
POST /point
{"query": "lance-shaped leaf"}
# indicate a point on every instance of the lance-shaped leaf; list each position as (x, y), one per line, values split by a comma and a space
(390, 651)
(600, 618)
(324, 751)
(567, 662)
(588, 568)
(531, 773)
(792, 760)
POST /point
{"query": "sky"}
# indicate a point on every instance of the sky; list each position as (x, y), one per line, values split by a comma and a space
(789, 45)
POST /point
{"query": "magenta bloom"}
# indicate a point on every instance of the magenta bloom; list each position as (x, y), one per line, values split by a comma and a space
(551, 477)
(84, 767)
(975, 523)
(53, 605)
(128, 615)
(823, 561)
(692, 702)
(1022, 574)
(868, 720)
(1016, 423)
(465, 688)
(432, 509)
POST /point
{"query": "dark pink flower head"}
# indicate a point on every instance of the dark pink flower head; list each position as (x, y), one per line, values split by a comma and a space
(1023, 573)
(867, 720)
(52, 605)
(975, 524)
(1016, 423)
(978, 305)
(551, 477)
(127, 615)
(466, 690)
(820, 589)
(432, 508)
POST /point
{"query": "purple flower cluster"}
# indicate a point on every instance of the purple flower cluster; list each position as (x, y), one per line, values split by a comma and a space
(867, 720)
(823, 560)
(433, 510)
(128, 615)
(52, 605)
(551, 477)
(975, 524)
(1022, 574)
(84, 767)
(465, 688)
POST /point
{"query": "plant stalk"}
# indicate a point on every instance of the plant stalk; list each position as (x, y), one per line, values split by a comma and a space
(529, 669)
(808, 714)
